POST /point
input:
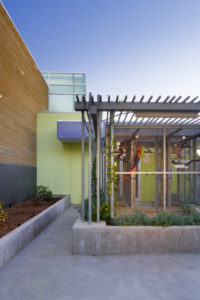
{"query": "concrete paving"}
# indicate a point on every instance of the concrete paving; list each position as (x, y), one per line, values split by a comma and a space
(46, 270)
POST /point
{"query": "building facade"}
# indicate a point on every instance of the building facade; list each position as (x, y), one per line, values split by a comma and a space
(59, 136)
(23, 91)
(63, 88)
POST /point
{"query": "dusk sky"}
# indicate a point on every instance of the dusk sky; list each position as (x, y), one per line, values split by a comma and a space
(125, 47)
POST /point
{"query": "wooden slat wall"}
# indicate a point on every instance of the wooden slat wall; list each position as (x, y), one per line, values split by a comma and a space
(23, 92)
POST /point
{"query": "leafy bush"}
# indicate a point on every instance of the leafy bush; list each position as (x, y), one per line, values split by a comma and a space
(187, 209)
(3, 213)
(161, 219)
(104, 209)
(41, 192)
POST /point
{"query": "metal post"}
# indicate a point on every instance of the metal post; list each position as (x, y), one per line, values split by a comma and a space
(169, 178)
(100, 153)
(179, 187)
(184, 182)
(82, 168)
(157, 176)
(107, 141)
(90, 170)
(194, 169)
(98, 167)
(164, 169)
(112, 163)
(121, 179)
(102, 166)
(190, 158)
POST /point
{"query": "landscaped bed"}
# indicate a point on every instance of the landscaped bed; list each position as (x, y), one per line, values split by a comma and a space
(20, 237)
(131, 235)
(161, 219)
(137, 233)
(22, 212)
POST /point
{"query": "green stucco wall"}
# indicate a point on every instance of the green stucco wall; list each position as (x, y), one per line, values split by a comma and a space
(148, 182)
(59, 164)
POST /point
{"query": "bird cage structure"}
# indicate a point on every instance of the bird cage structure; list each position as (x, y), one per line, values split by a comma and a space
(152, 146)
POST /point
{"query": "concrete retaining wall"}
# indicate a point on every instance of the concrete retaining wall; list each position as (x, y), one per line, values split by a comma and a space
(17, 239)
(99, 239)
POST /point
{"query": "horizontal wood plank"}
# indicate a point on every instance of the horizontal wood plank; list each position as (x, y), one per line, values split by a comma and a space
(23, 92)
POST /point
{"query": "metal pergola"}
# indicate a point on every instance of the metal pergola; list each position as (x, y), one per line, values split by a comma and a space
(171, 114)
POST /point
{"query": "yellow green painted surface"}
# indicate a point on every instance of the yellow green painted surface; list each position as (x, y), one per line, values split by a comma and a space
(59, 164)
(148, 181)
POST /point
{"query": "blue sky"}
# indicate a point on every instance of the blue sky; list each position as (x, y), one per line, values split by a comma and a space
(148, 47)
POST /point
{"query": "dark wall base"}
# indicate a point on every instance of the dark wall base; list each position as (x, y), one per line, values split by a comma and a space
(16, 183)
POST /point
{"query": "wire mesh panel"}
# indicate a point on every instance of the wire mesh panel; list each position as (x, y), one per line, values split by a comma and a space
(141, 169)
(137, 154)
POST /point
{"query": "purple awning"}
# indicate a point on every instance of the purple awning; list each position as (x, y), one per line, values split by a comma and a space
(69, 131)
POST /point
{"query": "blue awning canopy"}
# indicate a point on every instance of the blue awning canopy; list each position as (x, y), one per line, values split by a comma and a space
(70, 131)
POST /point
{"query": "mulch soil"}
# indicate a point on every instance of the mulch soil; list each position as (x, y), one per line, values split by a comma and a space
(22, 212)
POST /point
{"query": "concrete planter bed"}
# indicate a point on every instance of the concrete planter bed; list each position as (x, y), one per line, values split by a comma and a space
(17, 239)
(100, 239)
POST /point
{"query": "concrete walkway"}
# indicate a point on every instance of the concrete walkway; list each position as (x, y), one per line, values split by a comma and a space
(46, 270)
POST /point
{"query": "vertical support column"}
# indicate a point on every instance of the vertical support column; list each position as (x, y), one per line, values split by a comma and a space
(195, 175)
(82, 167)
(164, 169)
(112, 163)
(133, 178)
(107, 141)
(190, 158)
(90, 170)
(179, 186)
(157, 176)
(184, 181)
(101, 171)
(169, 178)
(98, 166)
(121, 180)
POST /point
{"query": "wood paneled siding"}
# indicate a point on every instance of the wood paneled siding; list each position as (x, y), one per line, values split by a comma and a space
(23, 91)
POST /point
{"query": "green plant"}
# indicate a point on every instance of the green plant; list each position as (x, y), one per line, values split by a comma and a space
(3, 213)
(161, 219)
(41, 192)
(94, 179)
(112, 176)
(104, 209)
(187, 209)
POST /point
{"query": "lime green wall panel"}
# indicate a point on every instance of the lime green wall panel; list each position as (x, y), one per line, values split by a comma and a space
(58, 164)
(148, 181)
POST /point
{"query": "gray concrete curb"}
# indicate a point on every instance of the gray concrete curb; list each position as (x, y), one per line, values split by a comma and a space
(17, 239)
(99, 239)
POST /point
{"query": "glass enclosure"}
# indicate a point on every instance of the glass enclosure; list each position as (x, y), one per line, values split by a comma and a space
(141, 171)
(63, 88)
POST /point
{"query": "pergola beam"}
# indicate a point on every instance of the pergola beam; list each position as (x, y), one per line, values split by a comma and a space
(174, 132)
(138, 107)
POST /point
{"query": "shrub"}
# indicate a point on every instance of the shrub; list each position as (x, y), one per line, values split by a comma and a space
(161, 219)
(104, 209)
(187, 209)
(41, 192)
(3, 213)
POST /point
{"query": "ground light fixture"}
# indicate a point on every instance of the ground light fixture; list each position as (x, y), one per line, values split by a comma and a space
(198, 152)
